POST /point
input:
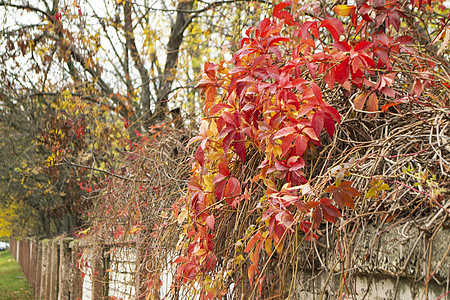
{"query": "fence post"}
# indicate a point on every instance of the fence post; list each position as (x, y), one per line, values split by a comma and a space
(26, 259)
(16, 256)
(98, 279)
(76, 291)
(65, 266)
(54, 268)
(33, 261)
(38, 272)
(44, 291)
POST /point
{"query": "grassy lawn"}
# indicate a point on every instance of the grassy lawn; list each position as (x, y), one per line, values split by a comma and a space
(13, 285)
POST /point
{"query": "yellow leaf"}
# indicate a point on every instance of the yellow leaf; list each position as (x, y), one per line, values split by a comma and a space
(182, 216)
(344, 10)
(200, 252)
(279, 247)
(135, 229)
(84, 231)
(268, 246)
(239, 259)
(208, 180)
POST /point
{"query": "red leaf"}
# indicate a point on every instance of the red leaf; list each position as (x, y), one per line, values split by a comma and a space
(219, 190)
(218, 178)
(334, 26)
(317, 122)
(329, 78)
(316, 90)
(342, 46)
(301, 144)
(330, 212)
(275, 50)
(210, 221)
(200, 156)
(387, 105)
(310, 133)
(194, 185)
(309, 25)
(276, 119)
(218, 107)
(394, 19)
(283, 132)
(227, 140)
(232, 190)
(305, 108)
(388, 92)
(223, 168)
(343, 194)
(288, 18)
(333, 112)
(229, 118)
(361, 46)
(343, 71)
(311, 204)
(378, 3)
(279, 7)
(280, 167)
(239, 146)
(305, 226)
(417, 88)
(404, 39)
(286, 144)
(329, 124)
(277, 39)
(181, 259)
(317, 217)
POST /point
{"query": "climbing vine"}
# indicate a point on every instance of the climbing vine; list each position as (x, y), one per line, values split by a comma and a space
(252, 188)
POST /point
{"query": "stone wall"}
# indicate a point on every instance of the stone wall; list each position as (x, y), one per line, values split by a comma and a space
(385, 262)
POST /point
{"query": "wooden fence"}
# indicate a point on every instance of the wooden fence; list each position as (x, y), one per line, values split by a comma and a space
(388, 266)
(67, 268)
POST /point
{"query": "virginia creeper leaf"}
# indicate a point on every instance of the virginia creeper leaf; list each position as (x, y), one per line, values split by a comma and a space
(360, 100)
(334, 26)
(372, 102)
(343, 71)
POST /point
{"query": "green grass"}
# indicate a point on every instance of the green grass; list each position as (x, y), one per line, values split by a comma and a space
(13, 285)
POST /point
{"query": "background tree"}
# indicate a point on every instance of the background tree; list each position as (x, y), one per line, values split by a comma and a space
(81, 78)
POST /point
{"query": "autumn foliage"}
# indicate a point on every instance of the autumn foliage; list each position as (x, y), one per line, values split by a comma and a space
(253, 186)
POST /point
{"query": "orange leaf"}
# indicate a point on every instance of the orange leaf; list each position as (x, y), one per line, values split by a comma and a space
(251, 273)
(372, 102)
(360, 100)
(252, 241)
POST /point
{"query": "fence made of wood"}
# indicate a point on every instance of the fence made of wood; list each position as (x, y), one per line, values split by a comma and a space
(397, 267)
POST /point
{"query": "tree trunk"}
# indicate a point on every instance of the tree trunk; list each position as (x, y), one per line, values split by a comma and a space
(173, 47)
